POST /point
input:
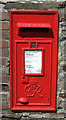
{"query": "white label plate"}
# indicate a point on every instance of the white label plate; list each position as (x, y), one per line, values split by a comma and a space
(33, 61)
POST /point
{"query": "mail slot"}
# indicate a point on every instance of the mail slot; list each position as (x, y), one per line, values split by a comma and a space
(33, 60)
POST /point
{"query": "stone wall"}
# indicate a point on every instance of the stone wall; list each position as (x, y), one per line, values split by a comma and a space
(5, 7)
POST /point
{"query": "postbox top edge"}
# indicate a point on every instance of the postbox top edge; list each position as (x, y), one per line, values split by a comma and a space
(33, 11)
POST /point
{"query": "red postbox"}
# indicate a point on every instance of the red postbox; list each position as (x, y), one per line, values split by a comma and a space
(33, 60)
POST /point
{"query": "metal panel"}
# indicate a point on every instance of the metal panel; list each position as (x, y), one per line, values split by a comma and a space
(33, 31)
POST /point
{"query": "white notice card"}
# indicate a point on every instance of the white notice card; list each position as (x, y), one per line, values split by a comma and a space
(33, 61)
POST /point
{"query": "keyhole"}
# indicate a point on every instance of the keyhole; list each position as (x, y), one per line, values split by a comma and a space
(23, 77)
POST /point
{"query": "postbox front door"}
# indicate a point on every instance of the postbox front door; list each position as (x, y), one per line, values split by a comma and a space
(32, 60)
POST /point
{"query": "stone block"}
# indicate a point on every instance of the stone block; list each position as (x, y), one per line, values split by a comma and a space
(4, 26)
(4, 88)
(5, 53)
(4, 16)
(4, 34)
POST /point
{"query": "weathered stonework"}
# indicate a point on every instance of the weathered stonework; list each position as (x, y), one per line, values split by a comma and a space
(6, 6)
(38, 6)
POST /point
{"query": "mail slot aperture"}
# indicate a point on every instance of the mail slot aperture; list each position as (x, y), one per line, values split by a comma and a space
(34, 29)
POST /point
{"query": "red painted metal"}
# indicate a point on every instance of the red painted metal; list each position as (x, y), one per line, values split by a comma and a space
(33, 91)
(34, 25)
(23, 100)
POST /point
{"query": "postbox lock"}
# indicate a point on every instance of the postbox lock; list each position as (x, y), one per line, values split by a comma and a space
(23, 100)
(25, 79)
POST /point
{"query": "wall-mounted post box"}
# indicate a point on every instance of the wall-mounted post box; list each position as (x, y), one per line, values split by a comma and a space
(33, 60)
